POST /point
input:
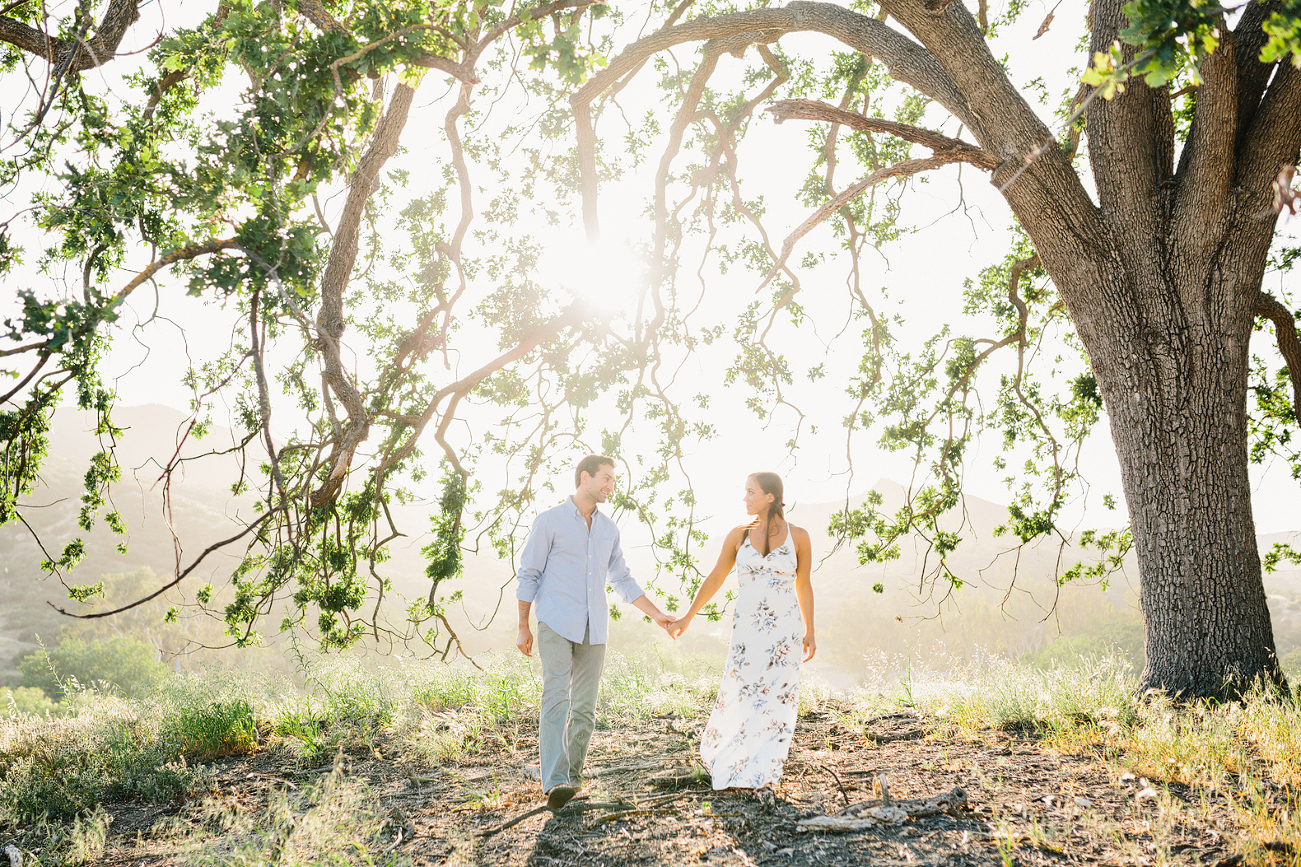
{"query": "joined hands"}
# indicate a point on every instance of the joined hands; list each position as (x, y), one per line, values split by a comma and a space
(663, 620)
(676, 627)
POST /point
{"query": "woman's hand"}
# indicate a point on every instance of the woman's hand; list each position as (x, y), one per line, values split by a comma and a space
(677, 627)
(810, 646)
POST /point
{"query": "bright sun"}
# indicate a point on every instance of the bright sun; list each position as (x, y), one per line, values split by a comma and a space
(603, 274)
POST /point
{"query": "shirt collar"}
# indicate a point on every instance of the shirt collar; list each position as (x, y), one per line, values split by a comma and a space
(573, 508)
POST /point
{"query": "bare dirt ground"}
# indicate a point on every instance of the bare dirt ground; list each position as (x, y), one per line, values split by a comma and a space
(1027, 804)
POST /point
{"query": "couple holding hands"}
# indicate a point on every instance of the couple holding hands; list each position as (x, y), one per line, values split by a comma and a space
(573, 551)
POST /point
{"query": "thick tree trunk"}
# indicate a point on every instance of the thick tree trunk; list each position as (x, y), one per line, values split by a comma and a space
(1171, 362)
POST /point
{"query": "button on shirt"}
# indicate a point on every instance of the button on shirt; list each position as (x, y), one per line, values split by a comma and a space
(564, 570)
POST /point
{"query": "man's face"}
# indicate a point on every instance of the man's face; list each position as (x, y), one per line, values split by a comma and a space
(601, 485)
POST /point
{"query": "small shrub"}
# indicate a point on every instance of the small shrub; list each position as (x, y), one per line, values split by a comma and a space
(65, 844)
(108, 749)
(343, 691)
(126, 665)
(1017, 697)
(26, 700)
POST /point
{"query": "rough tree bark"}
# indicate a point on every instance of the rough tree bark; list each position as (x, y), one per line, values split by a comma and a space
(1161, 277)
(1167, 328)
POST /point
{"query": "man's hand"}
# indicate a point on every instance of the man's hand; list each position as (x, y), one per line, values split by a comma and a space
(643, 604)
(524, 641)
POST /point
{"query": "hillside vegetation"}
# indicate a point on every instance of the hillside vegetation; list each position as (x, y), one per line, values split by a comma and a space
(350, 763)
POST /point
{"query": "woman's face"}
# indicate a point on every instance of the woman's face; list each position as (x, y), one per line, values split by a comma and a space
(756, 501)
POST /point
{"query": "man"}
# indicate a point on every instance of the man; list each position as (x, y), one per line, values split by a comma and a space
(572, 552)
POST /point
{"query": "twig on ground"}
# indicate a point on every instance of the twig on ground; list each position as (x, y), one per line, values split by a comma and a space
(839, 784)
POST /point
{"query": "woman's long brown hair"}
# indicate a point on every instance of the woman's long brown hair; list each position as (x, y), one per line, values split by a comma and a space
(769, 483)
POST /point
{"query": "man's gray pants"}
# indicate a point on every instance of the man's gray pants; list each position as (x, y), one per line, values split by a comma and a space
(571, 678)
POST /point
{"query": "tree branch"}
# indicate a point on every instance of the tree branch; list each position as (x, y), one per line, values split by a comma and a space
(714, 49)
(906, 61)
(905, 168)
(180, 576)
(463, 70)
(30, 39)
(527, 15)
(1274, 135)
(87, 54)
(1125, 124)
(1289, 345)
(331, 319)
(1206, 166)
(1253, 76)
(190, 251)
(463, 386)
(1035, 177)
(459, 71)
(810, 109)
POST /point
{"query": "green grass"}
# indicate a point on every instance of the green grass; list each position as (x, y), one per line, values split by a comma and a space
(1247, 752)
(55, 772)
(331, 822)
(108, 750)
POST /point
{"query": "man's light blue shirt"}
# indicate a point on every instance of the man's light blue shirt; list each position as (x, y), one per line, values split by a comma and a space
(565, 567)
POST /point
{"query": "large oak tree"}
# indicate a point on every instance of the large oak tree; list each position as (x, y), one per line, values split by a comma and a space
(1155, 252)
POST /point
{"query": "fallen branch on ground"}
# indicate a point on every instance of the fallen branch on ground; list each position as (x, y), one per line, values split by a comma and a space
(870, 814)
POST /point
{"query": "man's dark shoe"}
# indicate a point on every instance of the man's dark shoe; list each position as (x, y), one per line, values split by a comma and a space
(559, 796)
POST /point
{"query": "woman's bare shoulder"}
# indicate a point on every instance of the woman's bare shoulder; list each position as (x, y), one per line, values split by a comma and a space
(799, 534)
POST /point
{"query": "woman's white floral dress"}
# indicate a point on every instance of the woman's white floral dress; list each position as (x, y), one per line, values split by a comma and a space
(749, 733)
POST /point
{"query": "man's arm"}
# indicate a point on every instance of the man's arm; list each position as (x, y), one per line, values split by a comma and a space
(524, 638)
(533, 559)
(644, 603)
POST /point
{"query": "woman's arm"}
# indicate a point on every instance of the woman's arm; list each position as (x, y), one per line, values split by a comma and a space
(726, 560)
(804, 587)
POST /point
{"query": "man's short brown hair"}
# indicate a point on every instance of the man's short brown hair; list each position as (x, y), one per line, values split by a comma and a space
(590, 465)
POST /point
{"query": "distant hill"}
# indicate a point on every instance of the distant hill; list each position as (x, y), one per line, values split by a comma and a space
(1010, 603)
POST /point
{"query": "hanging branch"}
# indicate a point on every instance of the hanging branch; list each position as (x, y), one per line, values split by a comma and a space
(903, 169)
(811, 109)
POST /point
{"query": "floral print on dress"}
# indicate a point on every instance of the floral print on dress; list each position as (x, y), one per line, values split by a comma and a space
(748, 736)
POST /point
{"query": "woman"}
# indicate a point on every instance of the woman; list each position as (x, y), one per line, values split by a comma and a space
(749, 733)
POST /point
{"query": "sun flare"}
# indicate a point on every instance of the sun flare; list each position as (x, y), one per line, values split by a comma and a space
(605, 275)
